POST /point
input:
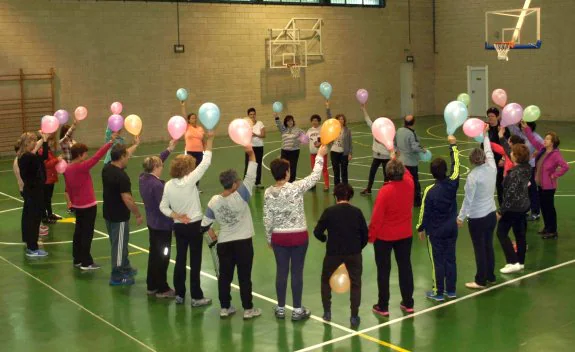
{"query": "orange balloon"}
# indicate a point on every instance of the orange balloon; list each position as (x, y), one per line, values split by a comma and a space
(133, 124)
(330, 130)
(339, 280)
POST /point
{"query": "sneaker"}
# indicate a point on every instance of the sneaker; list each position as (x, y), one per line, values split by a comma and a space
(406, 309)
(451, 295)
(533, 217)
(280, 312)
(434, 297)
(260, 186)
(355, 320)
(379, 311)
(510, 268)
(92, 266)
(70, 211)
(131, 272)
(55, 217)
(522, 266)
(252, 313)
(550, 236)
(326, 316)
(226, 312)
(166, 294)
(180, 299)
(36, 254)
(77, 265)
(474, 285)
(124, 281)
(365, 192)
(542, 232)
(491, 282)
(201, 302)
(300, 314)
(151, 292)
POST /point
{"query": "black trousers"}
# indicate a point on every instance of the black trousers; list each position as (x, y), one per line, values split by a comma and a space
(481, 231)
(199, 156)
(234, 254)
(373, 171)
(259, 152)
(32, 216)
(499, 185)
(354, 265)
(48, 193)
(188, 236)
(441, 246)
(402, 250)
(518, 222)
(83, 235)
(547, 201)
(339, 164)
(159, 259)
(414, 170)
(292, 156)
(534, 194)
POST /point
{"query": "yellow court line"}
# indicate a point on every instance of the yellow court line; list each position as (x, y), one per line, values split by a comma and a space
(383, 343)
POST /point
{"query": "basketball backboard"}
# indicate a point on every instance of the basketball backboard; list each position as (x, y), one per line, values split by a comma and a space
(520, 27)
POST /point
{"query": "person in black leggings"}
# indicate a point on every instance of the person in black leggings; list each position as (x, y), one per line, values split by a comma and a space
(290, 142)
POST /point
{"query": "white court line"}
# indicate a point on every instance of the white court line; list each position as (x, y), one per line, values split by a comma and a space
(79, 305)
(8, 210)
(6, 170)
(436, 307)
(216, 148)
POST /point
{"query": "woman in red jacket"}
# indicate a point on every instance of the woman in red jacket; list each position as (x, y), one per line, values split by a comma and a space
(390, 229)
(48, 217)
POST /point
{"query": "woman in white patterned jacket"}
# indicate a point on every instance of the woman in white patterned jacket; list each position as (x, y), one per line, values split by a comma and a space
(286, 230)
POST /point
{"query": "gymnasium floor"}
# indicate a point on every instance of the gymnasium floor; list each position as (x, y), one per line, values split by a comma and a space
(47, 304)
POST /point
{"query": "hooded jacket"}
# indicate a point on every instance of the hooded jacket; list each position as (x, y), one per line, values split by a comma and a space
(516, 189)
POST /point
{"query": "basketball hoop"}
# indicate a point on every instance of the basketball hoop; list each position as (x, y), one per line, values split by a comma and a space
(502, 49)
(294, 69)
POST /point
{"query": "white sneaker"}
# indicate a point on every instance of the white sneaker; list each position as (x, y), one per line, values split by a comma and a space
(201, 302)
(252, 313)
(226, 312)
(511, 268)
(522, 266)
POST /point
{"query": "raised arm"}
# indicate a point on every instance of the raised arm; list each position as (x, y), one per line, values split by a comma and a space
(201, 169)
(366, 117)
(454, 154)
(166, 153)
(70, 132)
(310, 181)
(246, 188)
(183, 109)
(132, 149)
(537, 144)
(279, 125)
(327, 109)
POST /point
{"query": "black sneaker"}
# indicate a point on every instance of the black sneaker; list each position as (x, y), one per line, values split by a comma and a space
(365, 192)
(533, 217)
(326, 316)
(550, 236)
(55, 217)
(354, 321)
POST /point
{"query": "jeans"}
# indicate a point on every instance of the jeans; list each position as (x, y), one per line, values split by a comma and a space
(286, 257)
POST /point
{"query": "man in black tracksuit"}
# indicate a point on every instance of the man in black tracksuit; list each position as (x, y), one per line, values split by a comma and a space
(437, 219)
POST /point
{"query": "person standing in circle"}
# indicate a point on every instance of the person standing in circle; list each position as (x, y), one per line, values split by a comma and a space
(258, 134)
(195, 137)
(290, 142)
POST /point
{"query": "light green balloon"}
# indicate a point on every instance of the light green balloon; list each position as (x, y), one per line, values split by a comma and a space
(464, 98)
(531, 113)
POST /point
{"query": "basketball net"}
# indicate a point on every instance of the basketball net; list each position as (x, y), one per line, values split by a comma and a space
(295, 70)
(502, 50)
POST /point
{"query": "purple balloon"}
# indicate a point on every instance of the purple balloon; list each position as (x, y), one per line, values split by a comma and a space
(362, 96)
(62, 116)
(115, 122)
(512, 113)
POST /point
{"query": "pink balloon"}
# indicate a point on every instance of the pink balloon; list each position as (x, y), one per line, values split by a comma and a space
(303, 138)
(81, 113)
(240, 132)
(177, 126)
(115, 122)
(512, 113)
(116, 108)
(61, 166)
(384, 131)
(499, 97)
(473, 127)
(362, 96)
(49, 124)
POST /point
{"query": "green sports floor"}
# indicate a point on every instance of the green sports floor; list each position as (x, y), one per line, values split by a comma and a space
(48, 305)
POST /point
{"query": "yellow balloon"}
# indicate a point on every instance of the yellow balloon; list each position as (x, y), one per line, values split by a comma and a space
(339, 280)
(133, 124)
(330, 130)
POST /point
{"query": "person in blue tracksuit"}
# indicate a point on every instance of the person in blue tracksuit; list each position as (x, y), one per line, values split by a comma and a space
(438, 220)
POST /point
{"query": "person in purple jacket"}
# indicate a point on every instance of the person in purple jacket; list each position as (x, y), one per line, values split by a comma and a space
(549, 166)
(159, 225)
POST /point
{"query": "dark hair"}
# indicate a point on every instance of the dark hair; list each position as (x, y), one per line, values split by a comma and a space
(228, 178)
(493, 110)
(287, 118)
(438, 169)
(279, 168)
(77, 150)
(394, 170)
(554, 139)
(315, 117)
(63, 130)
(190, 115)
(344, 119)
(251, 110)
(532, 125)
(343, 191)
(515, 139)
(520, 153)
(118, 151)
(408, 123)
(17, 145)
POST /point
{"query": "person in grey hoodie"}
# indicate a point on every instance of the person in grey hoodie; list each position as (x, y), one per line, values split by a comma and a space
(381, 156)
(407, 143)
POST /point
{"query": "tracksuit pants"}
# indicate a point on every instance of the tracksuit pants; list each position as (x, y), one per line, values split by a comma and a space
(119, 233)
(441, 246)
(234, 254)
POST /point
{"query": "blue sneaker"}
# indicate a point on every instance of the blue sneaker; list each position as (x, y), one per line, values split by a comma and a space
(432, 296)
(131, 272)
(124, 281)
(451, 295)
(36, 254)
(354, 321)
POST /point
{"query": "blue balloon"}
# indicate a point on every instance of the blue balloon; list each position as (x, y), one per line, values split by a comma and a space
(209, 115)
(425, 156)
(325, 89)
(277, 107)
(479, 138)
(182, 94)
(455, 114)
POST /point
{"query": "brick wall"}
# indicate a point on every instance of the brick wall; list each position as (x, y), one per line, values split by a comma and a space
(108, 51)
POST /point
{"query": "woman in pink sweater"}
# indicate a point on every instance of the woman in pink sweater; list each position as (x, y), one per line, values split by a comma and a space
(549, 166)
(80, 189)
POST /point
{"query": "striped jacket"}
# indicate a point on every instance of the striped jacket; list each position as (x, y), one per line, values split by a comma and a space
(439, 208)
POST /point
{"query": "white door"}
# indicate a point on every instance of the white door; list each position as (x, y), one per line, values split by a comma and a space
(406, 79)
(477, 86)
